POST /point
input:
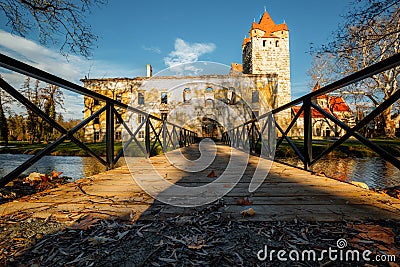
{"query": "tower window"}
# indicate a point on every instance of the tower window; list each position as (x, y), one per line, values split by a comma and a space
(276, 43)
(96, 120)
(264, 43)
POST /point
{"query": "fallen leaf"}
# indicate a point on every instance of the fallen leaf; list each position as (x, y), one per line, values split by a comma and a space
(244, 201)
(196, 247)
(121, 235)
(249, 212)
(84, 224)
(212, 174)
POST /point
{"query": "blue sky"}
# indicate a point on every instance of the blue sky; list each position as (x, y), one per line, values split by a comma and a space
(135, 33)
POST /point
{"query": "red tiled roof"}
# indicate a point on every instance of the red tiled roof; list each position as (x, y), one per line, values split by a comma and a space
(338, 104)
(314, 113)
(267, 25)
(237, 67)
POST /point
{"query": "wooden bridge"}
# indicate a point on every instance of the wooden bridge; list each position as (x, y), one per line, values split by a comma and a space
(286, 194)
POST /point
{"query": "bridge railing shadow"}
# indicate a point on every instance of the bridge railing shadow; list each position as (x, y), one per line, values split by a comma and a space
(159, 135)
(260, 135)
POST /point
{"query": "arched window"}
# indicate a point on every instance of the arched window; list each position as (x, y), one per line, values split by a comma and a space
(164, 98)
(231, 96)
(209, 93)
(276, 43)
(187, 95)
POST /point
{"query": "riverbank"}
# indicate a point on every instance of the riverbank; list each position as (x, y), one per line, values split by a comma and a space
(64, 149)
(350, 148)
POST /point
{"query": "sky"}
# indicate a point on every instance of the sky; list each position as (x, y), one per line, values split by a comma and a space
(163, 33)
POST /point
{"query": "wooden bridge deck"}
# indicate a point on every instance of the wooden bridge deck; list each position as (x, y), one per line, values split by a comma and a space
(286, 194)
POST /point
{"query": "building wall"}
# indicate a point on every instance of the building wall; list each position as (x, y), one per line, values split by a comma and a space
(210, 97)
(270, 55)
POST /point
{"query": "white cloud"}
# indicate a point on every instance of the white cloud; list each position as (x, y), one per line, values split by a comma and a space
(152, 49)
(72, 68)
(187, 52)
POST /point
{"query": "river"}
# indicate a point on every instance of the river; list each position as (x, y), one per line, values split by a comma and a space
(375, 172)
(73, 167)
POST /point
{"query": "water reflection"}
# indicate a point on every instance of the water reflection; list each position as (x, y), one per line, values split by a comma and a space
(74, 167)
(375, 172)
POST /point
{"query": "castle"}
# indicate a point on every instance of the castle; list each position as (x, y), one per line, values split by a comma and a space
(209, 102)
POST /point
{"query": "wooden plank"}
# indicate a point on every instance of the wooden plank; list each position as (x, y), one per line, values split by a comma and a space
(287, 193)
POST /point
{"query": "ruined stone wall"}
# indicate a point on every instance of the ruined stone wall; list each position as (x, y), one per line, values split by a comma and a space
(182, 108)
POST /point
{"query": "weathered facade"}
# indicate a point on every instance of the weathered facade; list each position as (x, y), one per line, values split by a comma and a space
(206, 103)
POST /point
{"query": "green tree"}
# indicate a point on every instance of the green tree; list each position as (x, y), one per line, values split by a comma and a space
(53, 97)
(3, 121)
(5, 100)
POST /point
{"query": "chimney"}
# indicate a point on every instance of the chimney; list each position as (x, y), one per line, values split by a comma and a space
(149, 71)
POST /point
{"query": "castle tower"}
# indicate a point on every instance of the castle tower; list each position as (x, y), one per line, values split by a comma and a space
(267, 51)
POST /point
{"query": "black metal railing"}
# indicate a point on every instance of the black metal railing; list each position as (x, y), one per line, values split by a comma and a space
(157, 132)
(250, 134)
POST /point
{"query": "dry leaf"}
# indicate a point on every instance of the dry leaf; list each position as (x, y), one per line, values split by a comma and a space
(196, 247)
(249, 212)
(244, 201)
(121, 235)
(84, 224)
(212, 174)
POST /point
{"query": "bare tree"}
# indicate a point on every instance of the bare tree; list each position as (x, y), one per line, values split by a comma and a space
(370, 34)
(323, 69)
(61, 22)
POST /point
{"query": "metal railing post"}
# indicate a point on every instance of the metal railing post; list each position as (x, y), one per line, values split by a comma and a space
(110, 135)
(147, 137)
(307, 133)
(164, 136)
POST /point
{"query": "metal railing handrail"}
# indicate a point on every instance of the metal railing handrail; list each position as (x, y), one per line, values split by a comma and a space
(360, 75)
(28, 70)
(308, 103)
(152, 136)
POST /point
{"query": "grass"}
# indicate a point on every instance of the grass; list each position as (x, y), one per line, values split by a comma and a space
(64, 149)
